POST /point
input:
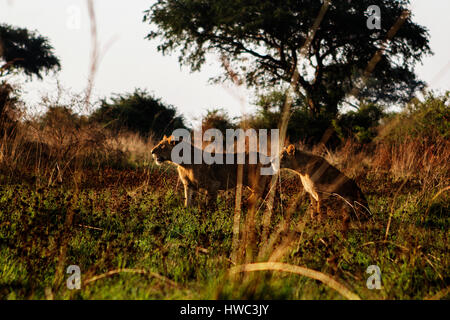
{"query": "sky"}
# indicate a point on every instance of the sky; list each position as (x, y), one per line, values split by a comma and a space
(129, 61)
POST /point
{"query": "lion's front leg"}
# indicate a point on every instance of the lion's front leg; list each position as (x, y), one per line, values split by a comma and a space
(188, 193)
(314, 209)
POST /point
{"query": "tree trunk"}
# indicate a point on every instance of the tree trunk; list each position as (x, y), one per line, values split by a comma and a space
(313, 106)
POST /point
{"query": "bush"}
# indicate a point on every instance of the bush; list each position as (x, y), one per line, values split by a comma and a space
(311, 129)
(217, 119)
(428, 120)
(138, 112)
(360, 124)
(303, 126)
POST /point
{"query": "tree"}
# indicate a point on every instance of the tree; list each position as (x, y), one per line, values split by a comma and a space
(22, 51)
(138, 112)
(8, 112)
(25, 51)
(262, 39)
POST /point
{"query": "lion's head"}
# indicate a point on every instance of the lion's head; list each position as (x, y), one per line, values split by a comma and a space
(287, 156)
(163, 150)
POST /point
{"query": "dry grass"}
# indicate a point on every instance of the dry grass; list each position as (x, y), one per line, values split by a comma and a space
(61, 151)
(284, 267)
(138, 149)
(417, 158)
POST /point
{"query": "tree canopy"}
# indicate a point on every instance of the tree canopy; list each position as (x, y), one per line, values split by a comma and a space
(25, 51)
(262, 39)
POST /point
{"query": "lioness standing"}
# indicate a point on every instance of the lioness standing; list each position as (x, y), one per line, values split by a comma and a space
(211, 177)
(323, 182)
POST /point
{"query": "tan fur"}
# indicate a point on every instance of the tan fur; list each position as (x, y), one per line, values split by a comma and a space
(211, 178)
(325, 184)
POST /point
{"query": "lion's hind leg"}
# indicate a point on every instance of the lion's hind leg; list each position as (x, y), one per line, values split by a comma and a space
(315, 210)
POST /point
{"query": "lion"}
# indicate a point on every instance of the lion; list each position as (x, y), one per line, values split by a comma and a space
(326, 185)
(212, 178)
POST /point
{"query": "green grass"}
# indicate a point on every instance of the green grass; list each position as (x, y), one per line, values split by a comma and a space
(129, 224)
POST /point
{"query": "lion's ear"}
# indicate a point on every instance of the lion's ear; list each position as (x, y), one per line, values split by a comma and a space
(172, 140)
(291, 149)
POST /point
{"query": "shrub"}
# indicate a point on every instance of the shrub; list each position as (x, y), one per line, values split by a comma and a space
(217, 119)
(428, 119)
(302, 126)
(360, 124)
(138, 112)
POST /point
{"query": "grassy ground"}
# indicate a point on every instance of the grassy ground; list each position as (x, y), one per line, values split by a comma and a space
(133, 221)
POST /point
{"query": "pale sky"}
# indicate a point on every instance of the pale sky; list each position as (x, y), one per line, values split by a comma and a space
(131, 62)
